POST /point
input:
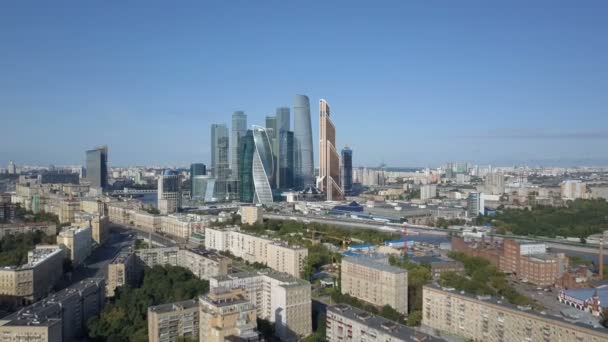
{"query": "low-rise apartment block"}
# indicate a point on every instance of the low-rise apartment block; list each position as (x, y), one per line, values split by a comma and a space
(275, 254)
(35, 279)
(489, 319)
(125, 269)
(167, 322)
(77, 243)
(346, 323)
(21, 228)
(251, 214)
(375, 282)
(278, 297)
(204, 264)
(61, 317)
(226, 312)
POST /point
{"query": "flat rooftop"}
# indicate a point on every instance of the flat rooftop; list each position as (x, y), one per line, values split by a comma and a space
(399, 331)
(170, 307)
(373, 263)
(286, 278)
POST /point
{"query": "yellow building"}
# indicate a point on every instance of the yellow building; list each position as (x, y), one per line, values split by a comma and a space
(224, 313)
(251, 214)
(167, 322)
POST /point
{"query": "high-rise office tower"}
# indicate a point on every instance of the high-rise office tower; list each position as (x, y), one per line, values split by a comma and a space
(196, 169)
(169, 196)
(97, 167)
(273, 134)
(239, 128)
(257, 167)
(347, 170)
(302, 131)
(12, 168)
(219, 160)
(329, 161)
(284, 149)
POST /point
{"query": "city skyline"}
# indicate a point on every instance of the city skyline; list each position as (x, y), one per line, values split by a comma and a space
(501, 85)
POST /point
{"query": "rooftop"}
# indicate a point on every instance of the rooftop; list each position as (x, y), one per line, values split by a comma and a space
(373, 263)
(170, 307)
(379, 323)
(285, 278)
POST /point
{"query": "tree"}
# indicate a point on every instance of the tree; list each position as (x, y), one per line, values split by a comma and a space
(414, 318)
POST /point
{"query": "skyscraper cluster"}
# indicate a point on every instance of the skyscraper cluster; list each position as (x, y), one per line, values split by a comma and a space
(257, 162)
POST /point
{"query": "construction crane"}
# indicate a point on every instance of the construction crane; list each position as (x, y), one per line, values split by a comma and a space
(344, 240)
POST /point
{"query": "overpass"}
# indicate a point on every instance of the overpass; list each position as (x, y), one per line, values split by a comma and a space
(354, 224)
(127, 192)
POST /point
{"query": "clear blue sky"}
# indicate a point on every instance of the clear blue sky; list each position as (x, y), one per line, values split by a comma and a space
(411, 83)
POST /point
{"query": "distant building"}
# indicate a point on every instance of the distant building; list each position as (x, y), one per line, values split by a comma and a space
(329, 160)
(196, 169)
(495, 183)
(346, 323)
(482, 318)
(167, 322)
(278, 297)
(219, 160)
(375, 282)
(239, 129)
(347, 170)
(573, 189)
(61, 317)
(226, 312)
(97, 167)
(57, 177)
(12, 168)
(284, 150)
(251, 214)
(257, 167)
(169, 194)
(428, 191)
(49, 229)
(475, 205)
(77, 243)
(302, 132)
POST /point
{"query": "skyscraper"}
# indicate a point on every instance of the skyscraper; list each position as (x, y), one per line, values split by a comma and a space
(169, 196)
(196, 169)
(302, 130)
(273, 137)
(97, 167)
(239, 128)
(219, 159)
(347, 170)
(329, 161)
(284, 149)
(257, 167)
(12, 168)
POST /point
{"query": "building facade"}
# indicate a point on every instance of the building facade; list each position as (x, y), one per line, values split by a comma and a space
(375, 282)
(329, 159)
(196, 169)
(251, 214)
(226, 312)
(97, 167)
(220, 162)
(302, 131)
(77, 243)
(167, 322)
(239, 129)
(169, 194)
(203, 264)
(347, 170)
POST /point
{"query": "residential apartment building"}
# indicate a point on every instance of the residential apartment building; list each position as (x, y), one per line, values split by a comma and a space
(203, 264)
(61, 317)
(35, 279)
(167, 322)
(77, 243)
(488, 319)
(226, 312)
(275, 254)
(251, 214)
(375, 282)
(278, 297)
(125, 269)
(47, 228)
(346, 323)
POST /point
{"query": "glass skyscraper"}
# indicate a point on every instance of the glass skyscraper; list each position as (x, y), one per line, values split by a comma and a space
(284, 149)
(347, 170)
(302, 130)
(196, 169)
(257, 167)
(246, 148)
(239, 128)
(219, 159)
(97, 167)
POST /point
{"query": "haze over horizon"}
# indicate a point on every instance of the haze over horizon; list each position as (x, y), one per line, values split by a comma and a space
(409, 84)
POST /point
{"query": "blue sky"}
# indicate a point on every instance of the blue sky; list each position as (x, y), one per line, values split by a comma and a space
(411, 83)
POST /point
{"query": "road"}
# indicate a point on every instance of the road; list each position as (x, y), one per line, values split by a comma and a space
(145, 234)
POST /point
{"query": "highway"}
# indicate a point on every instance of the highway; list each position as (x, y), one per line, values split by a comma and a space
(354, 224)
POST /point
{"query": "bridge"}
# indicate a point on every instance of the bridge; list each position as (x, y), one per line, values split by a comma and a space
(128, 192)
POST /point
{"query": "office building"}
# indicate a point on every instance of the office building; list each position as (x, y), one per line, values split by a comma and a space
(239, 129)
(483, 318)
(125, 269)
(329, 159)
(475, 205)
(286, 163)
(61, 317)
(169, 194)
(494, 183)
(36, 278)
(97, 167)
(428, 191)
(12, 168)
(346, 323)
(275, 254)
(257, 167)
(219, 160)
(251, 214)
(77, 242)
(196, 169)
(58, 177)
(203, 264)
(375, 282)
(226, 312)
(302, 131)
(278, 297)
(346, 168)
(167, 322)
(203, 188)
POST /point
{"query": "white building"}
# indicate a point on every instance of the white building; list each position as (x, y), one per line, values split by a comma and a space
(573, 189)
(77, 242)
(428, 191)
